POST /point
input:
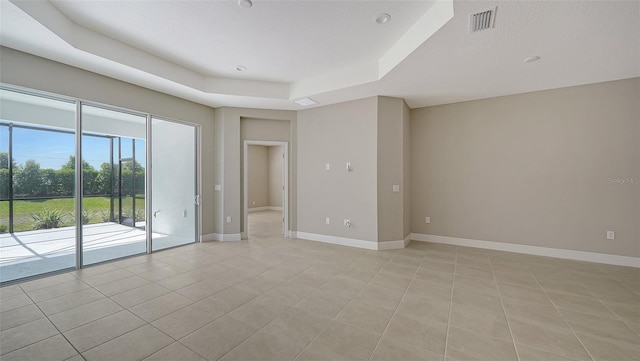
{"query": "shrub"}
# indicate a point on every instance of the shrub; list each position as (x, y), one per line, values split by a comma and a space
(140, 215)
(105, 215)
(86, 217)
(3, 228)
(48, 218)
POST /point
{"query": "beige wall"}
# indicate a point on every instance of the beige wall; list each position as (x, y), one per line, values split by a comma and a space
(406, 161)
(537, 169)
(275, 176)
(264, 166)
(228, 121)
(390, 154)
(21, 69)
(337, 134)
(258, 176)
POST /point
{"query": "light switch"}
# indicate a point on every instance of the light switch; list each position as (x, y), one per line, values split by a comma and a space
(228, 219)
(217, 187)
(327, 166)
(396, 188)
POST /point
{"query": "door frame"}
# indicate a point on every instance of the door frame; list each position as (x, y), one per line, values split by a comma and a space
(285, 168)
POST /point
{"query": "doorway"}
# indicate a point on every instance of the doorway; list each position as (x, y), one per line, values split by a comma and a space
(271, 173)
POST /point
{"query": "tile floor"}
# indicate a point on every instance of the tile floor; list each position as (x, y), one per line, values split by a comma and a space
(273, 298)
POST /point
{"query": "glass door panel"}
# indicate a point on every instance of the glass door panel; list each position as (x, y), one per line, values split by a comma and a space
(174, 152)
(110, 171)
(37, 185)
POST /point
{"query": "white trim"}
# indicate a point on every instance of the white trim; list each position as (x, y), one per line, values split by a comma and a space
(387, 245)
(349, 242)
(407, 240)
(221, 237)
(210, 237)
(534, 250)
(266, 208)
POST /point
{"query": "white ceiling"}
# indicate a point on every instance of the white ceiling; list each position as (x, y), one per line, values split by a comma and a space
(332, 51)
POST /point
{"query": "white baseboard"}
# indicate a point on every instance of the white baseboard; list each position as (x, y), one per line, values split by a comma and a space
(350, 242)
(387, 245)
(267, 208)
(407, 240)
(533, 250)
(221, 237)
(209, 237)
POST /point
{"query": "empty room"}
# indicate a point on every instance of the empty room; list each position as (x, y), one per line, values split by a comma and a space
(320, 180)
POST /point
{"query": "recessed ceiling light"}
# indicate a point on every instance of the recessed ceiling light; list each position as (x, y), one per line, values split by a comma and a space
(531, 59)
(383, 18)
(240, 68)
(245, 4)
(305, 102)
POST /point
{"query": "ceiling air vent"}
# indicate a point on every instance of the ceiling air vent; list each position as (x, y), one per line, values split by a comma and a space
(483, 20)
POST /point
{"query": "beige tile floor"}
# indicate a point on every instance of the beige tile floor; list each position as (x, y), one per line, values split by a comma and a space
(272, 298)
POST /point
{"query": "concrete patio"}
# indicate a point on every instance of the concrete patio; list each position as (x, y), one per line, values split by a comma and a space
(30, 253)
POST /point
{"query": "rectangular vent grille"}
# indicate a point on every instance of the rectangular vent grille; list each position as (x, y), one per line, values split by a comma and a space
(483, 20)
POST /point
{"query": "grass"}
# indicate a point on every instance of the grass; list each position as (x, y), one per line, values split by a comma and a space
(97, 208)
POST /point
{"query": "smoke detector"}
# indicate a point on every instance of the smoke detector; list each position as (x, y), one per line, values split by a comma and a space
(482, 20)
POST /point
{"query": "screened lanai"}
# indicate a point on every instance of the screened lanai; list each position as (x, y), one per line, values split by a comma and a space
(48, 222)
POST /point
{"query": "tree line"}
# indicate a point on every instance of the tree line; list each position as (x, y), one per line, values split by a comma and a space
(30, 180)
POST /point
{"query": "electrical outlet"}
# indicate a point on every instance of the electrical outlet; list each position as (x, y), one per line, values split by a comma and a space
(611, 235)
(347, 223)
(228, 219)
(427, 219)
(327, 220)
(327, 166)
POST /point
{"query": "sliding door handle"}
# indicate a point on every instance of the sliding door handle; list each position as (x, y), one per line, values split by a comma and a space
(197, 199)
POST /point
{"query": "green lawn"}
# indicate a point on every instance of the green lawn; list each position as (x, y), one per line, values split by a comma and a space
(96, 208)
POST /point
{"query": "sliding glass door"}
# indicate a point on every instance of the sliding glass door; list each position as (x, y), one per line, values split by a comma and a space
(37, 185)
(48, 222)
(174, 186)
(113, 203)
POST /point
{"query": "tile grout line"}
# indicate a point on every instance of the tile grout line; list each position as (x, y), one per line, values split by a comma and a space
(258, 330)
(149, 323)
(52, 324)
(396, 309)
(609, 309)
(343, 307)
(120, 305)
(75, 277)
(561, 316)
(453, 282)
(504, 310)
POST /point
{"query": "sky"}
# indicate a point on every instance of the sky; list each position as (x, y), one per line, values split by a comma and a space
(52, 149)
